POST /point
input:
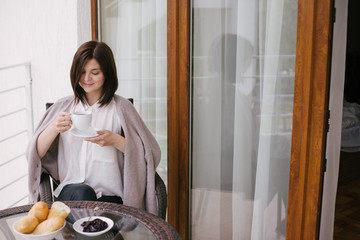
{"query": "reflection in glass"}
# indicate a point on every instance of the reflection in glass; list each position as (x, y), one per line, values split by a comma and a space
(243, 83)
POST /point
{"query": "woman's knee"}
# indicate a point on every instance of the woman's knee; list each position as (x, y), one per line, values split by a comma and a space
(75, 192)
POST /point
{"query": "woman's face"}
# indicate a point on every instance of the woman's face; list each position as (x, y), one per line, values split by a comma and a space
(92, 79)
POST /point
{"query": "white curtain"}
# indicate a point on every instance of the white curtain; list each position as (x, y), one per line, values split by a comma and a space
(243, 77)
(274, 147)
(136, 31)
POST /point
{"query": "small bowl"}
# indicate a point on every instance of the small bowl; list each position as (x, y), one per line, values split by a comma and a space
(78, 228)
(31, 236)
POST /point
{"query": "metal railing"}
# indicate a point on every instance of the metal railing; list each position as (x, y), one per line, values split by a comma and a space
(16, 127)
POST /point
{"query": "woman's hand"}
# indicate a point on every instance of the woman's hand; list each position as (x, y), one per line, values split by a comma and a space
(108, 138)
(62, 123)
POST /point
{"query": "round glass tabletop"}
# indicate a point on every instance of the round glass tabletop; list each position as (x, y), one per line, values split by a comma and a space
(129, 223)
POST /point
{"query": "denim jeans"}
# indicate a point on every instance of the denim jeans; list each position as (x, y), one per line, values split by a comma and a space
(83, 192)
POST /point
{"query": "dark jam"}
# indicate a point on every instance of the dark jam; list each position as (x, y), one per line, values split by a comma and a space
(95, 225)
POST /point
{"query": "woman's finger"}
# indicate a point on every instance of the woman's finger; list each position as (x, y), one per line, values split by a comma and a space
(63, 122)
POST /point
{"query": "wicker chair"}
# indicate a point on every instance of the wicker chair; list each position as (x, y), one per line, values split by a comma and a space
(48, 184)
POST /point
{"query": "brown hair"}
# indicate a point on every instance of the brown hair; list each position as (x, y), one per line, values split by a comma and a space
(102, 53)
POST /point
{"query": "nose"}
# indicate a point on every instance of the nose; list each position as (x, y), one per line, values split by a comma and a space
(86, 77)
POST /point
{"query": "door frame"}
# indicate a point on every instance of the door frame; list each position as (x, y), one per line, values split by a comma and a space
(312, 81)
(312, 74)
(178, 94)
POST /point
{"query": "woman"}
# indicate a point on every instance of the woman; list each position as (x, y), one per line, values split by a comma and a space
(118, 165)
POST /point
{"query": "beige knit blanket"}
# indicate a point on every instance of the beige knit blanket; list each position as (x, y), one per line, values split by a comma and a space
(142, 156)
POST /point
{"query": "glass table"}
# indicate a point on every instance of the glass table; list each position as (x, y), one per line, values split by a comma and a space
(129, 222)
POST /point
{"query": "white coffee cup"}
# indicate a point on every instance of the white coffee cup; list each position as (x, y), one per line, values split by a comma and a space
(81, 120)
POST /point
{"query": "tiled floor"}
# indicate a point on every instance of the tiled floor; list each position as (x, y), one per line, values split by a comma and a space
(347, 211)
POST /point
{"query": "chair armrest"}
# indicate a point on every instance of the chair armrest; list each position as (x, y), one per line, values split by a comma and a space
(161, 196)
(45, 188)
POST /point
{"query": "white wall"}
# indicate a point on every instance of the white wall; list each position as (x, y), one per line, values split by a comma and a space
(333, 144)
(45, 33)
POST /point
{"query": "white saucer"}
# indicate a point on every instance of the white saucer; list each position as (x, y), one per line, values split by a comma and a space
(77, 225)
(90, 132)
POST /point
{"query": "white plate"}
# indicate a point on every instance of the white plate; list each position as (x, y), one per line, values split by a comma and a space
(31, 236)
(90, 132)
(77, 225)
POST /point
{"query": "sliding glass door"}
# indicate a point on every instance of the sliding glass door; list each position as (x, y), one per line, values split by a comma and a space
(243, 62)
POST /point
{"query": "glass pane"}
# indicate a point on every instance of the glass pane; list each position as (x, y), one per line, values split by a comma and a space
(136, 32)
(243, 61)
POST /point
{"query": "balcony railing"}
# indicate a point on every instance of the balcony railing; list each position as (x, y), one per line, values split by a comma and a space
(16, 127)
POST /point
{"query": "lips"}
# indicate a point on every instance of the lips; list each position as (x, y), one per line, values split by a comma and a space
(87, 84)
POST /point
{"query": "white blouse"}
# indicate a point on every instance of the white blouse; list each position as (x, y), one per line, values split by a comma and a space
(80, 161)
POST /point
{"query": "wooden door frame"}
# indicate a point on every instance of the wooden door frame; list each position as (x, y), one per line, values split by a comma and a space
(178, 94)
(312, 73)
(312, 81)
(94, 20)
